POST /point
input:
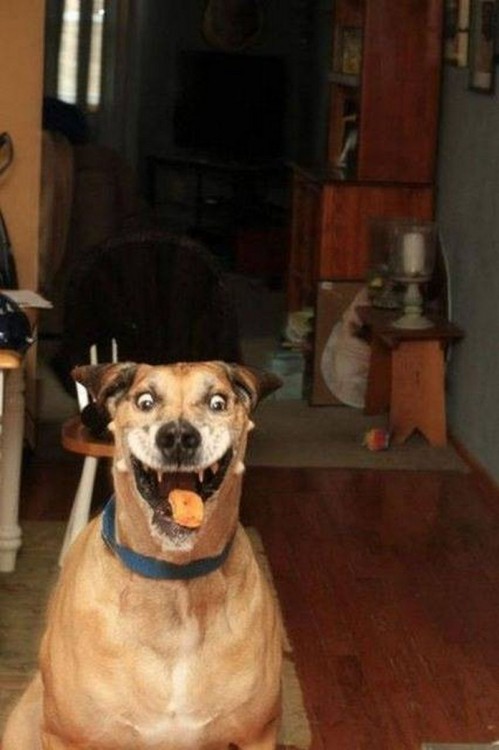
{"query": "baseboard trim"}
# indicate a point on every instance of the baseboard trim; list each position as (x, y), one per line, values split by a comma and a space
(480, 473)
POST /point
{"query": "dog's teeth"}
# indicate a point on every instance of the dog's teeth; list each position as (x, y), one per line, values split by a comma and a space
(215, 467)
(240, 468)
(111, 426)
(121, 465)
(251, 426)
(159, 475)
(201, 475)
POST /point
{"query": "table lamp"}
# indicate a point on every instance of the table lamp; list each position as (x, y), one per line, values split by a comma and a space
(412, 248)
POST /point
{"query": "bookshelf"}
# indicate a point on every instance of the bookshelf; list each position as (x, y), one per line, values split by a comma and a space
(384, 79)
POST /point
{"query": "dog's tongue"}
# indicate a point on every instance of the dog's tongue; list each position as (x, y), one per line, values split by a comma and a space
(179, 480)
(187, 508)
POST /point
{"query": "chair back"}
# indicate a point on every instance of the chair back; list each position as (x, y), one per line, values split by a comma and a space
(159, 297)
(82, 394)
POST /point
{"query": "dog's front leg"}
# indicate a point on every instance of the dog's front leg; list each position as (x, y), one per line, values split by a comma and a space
(266, 741)
(51, 742)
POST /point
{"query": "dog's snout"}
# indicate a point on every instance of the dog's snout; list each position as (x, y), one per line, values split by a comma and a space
(178, 440)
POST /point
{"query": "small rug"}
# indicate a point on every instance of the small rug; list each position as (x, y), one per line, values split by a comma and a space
(292, 434)
(23, 599)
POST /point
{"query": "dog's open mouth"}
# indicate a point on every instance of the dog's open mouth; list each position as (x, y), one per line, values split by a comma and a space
(177, 497)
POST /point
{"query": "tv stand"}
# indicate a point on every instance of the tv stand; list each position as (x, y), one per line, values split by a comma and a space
(214, 194)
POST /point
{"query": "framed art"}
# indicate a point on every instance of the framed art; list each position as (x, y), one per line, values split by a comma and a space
(347, 50)
(351, 50)
(232, 25)
(456, 32)
(482, 45)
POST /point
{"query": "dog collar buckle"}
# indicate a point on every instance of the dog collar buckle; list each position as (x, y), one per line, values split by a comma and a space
(151, 567)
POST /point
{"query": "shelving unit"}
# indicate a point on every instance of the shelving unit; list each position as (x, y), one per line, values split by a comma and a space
(384, 92)
(396, 90)
(330, 226)
(345, 77)
(384, 78)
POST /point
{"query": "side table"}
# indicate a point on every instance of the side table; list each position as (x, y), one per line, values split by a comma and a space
(407, 374)
(12, 416)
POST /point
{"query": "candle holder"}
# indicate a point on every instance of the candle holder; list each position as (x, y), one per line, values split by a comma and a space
(412, 247)
(384, 291)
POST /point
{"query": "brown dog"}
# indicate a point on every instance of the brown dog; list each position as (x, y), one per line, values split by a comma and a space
(162, 632)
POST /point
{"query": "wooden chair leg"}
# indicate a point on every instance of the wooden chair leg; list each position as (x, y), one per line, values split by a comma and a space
(81, 505)
(379, 379)
(418, 392)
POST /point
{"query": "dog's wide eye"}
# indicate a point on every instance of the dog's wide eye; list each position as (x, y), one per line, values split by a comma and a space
(218, 402)
(145, 401)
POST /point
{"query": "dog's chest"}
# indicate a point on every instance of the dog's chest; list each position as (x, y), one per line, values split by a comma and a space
(183, 675)
(175, 663)
(184, 666)
(180, 709)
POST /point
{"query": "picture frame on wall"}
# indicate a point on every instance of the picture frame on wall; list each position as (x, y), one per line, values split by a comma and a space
(456, 32)
(351, 50)
(483, 29)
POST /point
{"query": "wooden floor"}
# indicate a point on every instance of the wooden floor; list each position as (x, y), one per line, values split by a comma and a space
(389, 587)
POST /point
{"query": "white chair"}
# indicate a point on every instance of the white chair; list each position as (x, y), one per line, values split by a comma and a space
(77, 439)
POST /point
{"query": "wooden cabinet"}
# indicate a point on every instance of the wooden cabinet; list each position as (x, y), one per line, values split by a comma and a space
(330, 228)
(305, 241)
(385, 79)
(384, 91)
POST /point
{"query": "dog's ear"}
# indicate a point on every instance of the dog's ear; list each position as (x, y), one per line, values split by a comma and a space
(253, 384)
(107, 382)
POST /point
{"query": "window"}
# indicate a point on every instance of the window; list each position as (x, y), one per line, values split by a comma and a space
(79, 66)
(95, 63)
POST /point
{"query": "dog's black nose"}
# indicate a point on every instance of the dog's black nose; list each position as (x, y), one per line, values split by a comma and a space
(178, 440)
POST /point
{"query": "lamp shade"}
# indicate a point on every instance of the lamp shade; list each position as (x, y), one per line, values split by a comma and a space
(412, 249)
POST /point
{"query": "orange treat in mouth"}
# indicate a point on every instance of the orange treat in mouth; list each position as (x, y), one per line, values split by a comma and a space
(187, 508)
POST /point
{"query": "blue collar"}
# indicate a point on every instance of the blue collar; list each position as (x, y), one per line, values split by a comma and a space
(151, 567)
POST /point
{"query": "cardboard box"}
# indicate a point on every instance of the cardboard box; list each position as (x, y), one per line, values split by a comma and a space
(333, 298)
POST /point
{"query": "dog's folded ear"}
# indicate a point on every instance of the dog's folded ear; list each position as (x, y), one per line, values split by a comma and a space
(253, 384)
(106, 382)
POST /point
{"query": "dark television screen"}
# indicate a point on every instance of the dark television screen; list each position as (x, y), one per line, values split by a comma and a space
(231, 106)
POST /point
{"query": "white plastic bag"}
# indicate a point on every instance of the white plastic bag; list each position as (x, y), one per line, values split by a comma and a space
(345, 359)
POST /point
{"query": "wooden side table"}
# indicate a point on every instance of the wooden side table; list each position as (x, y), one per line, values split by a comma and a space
(407, 374)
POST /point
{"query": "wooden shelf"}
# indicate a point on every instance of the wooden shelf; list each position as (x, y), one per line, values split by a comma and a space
(344, 79)
(396, 92)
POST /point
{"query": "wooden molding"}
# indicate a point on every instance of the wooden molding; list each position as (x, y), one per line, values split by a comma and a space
(482, 475)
